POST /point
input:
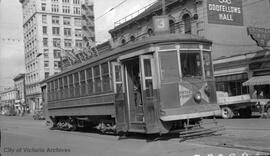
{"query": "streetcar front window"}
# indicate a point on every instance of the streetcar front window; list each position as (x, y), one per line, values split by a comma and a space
(191, 63)
(207, 64)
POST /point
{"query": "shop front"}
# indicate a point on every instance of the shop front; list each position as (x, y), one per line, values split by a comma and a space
(242, 82)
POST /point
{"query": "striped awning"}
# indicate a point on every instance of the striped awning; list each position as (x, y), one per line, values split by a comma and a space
(258, 80)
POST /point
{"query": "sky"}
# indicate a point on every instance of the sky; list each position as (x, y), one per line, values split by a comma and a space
(11, 31)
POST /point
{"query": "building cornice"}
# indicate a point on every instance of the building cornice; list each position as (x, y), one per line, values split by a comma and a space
(48, 13)
(18, 77)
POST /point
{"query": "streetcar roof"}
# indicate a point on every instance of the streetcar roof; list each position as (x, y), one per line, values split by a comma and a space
(166, 38)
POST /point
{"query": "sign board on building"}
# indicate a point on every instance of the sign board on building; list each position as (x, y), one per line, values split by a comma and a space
(260, 35)
(226, 12)
(161, 24)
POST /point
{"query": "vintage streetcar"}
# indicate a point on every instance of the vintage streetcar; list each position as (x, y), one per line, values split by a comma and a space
(160, 84)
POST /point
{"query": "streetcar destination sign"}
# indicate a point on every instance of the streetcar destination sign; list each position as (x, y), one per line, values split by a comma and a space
(227, 12)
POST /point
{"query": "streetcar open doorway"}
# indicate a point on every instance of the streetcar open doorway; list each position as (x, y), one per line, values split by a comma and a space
(134, 90)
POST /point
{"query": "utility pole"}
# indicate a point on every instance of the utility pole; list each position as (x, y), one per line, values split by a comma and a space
(163, 7)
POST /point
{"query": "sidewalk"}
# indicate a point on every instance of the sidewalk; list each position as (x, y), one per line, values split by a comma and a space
(24, 117)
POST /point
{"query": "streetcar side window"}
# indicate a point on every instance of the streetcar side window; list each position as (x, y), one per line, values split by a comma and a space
(49, 91)
(60, 88)
(191, 64)
(97, 79)
(82, 81)
(70, 84)
(77, 84)
(65, 87)
(52, 90)
(105, 77)
(90, 87)
(56, 89)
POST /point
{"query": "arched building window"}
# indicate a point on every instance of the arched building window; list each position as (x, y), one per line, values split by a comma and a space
(123, 41)
(132, 38)
(187, 23)
(172, 26)
(150, 32)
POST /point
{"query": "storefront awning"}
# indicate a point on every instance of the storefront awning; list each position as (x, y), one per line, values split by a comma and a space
(258, 80)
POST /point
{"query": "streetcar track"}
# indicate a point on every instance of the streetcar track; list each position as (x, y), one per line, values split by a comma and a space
(248, 129)
(232, 146)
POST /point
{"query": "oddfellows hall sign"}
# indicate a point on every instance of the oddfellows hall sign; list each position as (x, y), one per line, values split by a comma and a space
(226, 12)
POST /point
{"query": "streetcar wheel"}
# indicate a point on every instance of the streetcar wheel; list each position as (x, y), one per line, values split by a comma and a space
(226, 113)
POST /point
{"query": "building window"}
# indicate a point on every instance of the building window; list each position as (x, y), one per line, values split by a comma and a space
(47, 74)
(66, 9)
(46, 53)
(77, 22)
(45, 42)
(187, 23)
(232, 84)
(56, 53)
(78, 43)
(77, 10)
(55, 8)
(44, 29)
(54, 0)
(56, 64)
(65, 1)
(43, 6)
(56, 42)
(78, 32)
(46, 63)
(68, 43)
(67, 31)
(66, 21)
(44, 19)
(172, 26)
(55, 19)
(76, 1)
(56, 31)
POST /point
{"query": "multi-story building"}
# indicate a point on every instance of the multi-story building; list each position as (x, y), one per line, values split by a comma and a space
(52, 30)
(88, 25)
(8, 97)
(19, 84)
(224, 22)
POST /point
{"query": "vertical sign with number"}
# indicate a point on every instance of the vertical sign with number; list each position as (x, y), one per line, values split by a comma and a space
(161, 24)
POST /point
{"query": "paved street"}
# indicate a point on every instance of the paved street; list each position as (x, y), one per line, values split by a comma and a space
(27, 137)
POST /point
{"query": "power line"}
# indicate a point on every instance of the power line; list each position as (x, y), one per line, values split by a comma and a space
(111, 10)
(11, 39)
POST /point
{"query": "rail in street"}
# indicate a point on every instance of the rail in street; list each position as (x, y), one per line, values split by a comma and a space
(242, 136)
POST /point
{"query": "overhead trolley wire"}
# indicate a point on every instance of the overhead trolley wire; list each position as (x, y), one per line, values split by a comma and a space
(110, 10)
